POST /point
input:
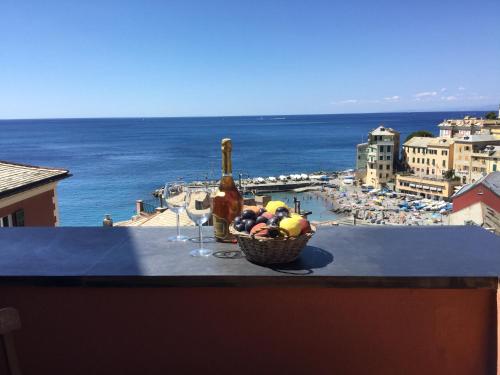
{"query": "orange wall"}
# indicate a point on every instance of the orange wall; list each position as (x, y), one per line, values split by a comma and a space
(38, 210)
(254, 330)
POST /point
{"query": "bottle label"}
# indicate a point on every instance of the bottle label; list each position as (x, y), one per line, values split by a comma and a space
(221, 227)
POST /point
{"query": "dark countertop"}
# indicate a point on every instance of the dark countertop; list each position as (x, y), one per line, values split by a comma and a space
(401, 257)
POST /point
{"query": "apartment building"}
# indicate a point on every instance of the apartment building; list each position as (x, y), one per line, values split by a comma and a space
(381, 153)
(458, 128)
(28, 195)
(475, 156)
(427, 156)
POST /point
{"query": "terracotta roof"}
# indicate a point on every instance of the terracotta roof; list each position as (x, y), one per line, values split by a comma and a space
(15, 177)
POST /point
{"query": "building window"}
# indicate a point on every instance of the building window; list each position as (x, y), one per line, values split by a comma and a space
(13, 220)
(381, 157)
(418, 160)
(433, 171)
(388, 166)
(387, 175)
(381, 148)
(467, 148)
(413, 160)
(413, 148)
(433, 162)
(380, 166)
(427, 161)
(18, 218)
(388, 157)
(380, 175)
(444, 163)
(6, 221)
(388, 148)
(494, 167)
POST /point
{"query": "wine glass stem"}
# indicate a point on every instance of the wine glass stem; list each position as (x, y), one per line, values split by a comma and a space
(201, 236)
(178, 226)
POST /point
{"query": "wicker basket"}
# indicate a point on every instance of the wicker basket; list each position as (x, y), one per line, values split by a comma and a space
(265, 250)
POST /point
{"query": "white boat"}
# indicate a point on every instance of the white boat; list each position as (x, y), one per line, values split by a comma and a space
(282, 178)
(271, 179)
(304, 176)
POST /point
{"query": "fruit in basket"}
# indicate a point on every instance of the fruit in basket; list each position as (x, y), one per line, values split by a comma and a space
(273, 232)
(274, 221)
(305, 226)
(237, 220)
(248, 214)
(249, 224)
(296, 216)
(240, 227)
(261, 211)
(267, 215)
(261, 219)
(252, 208)
(282, 214)
(273, 205)
(282, 209)
(291, 225)
(259, 230)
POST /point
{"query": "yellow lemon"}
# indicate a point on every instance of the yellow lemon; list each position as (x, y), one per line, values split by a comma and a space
(296, 216)
(291, 225)
(273, 205)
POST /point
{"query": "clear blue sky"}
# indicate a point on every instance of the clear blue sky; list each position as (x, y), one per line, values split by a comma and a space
(190, 58)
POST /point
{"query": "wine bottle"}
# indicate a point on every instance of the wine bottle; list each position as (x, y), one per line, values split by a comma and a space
(228, 201)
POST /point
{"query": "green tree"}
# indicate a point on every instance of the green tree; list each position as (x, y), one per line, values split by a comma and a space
(419, 133)
(491, 116)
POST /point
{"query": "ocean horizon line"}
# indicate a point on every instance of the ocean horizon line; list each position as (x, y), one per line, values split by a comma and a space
(240, 116)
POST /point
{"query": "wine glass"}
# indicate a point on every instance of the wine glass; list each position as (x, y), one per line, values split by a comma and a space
(174, 194)
(199, 209)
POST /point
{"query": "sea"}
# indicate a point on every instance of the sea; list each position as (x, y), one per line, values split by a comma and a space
(115, 161)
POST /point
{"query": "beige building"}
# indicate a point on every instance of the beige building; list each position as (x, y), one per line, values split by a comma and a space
(427, 156)
(475, 156)
(425, 186)
(382, 154)
(469, 126)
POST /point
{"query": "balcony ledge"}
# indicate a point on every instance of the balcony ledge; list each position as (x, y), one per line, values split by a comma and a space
(351, 257)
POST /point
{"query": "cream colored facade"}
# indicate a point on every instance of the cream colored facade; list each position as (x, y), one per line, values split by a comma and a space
(425, 187)
(382, 156)
(458, 128)
(428, 157)
(475, 156)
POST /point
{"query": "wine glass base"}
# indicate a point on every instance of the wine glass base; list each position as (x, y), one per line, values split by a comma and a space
(200, 253)
(205, 239)
(178, 238)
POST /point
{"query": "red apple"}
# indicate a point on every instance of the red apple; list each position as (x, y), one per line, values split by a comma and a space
(305, 226)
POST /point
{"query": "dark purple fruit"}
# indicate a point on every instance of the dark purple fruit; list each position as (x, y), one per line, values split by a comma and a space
(274, 222)
(240, 227)
(248, 214)
(237, 220)
(261, 211)
(261, 219)
(273, 232)
(282, 209)
(249, 225)
(282, 214)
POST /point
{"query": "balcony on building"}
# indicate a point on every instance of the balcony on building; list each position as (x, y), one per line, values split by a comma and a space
(369, 300)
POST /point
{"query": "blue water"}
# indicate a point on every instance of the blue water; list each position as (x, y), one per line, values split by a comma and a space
(116, 161)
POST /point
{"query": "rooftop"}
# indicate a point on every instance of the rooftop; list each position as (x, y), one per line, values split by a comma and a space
(15, 177)
(418, 142)
(382, 130)
(477, 138)
(491, 181)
